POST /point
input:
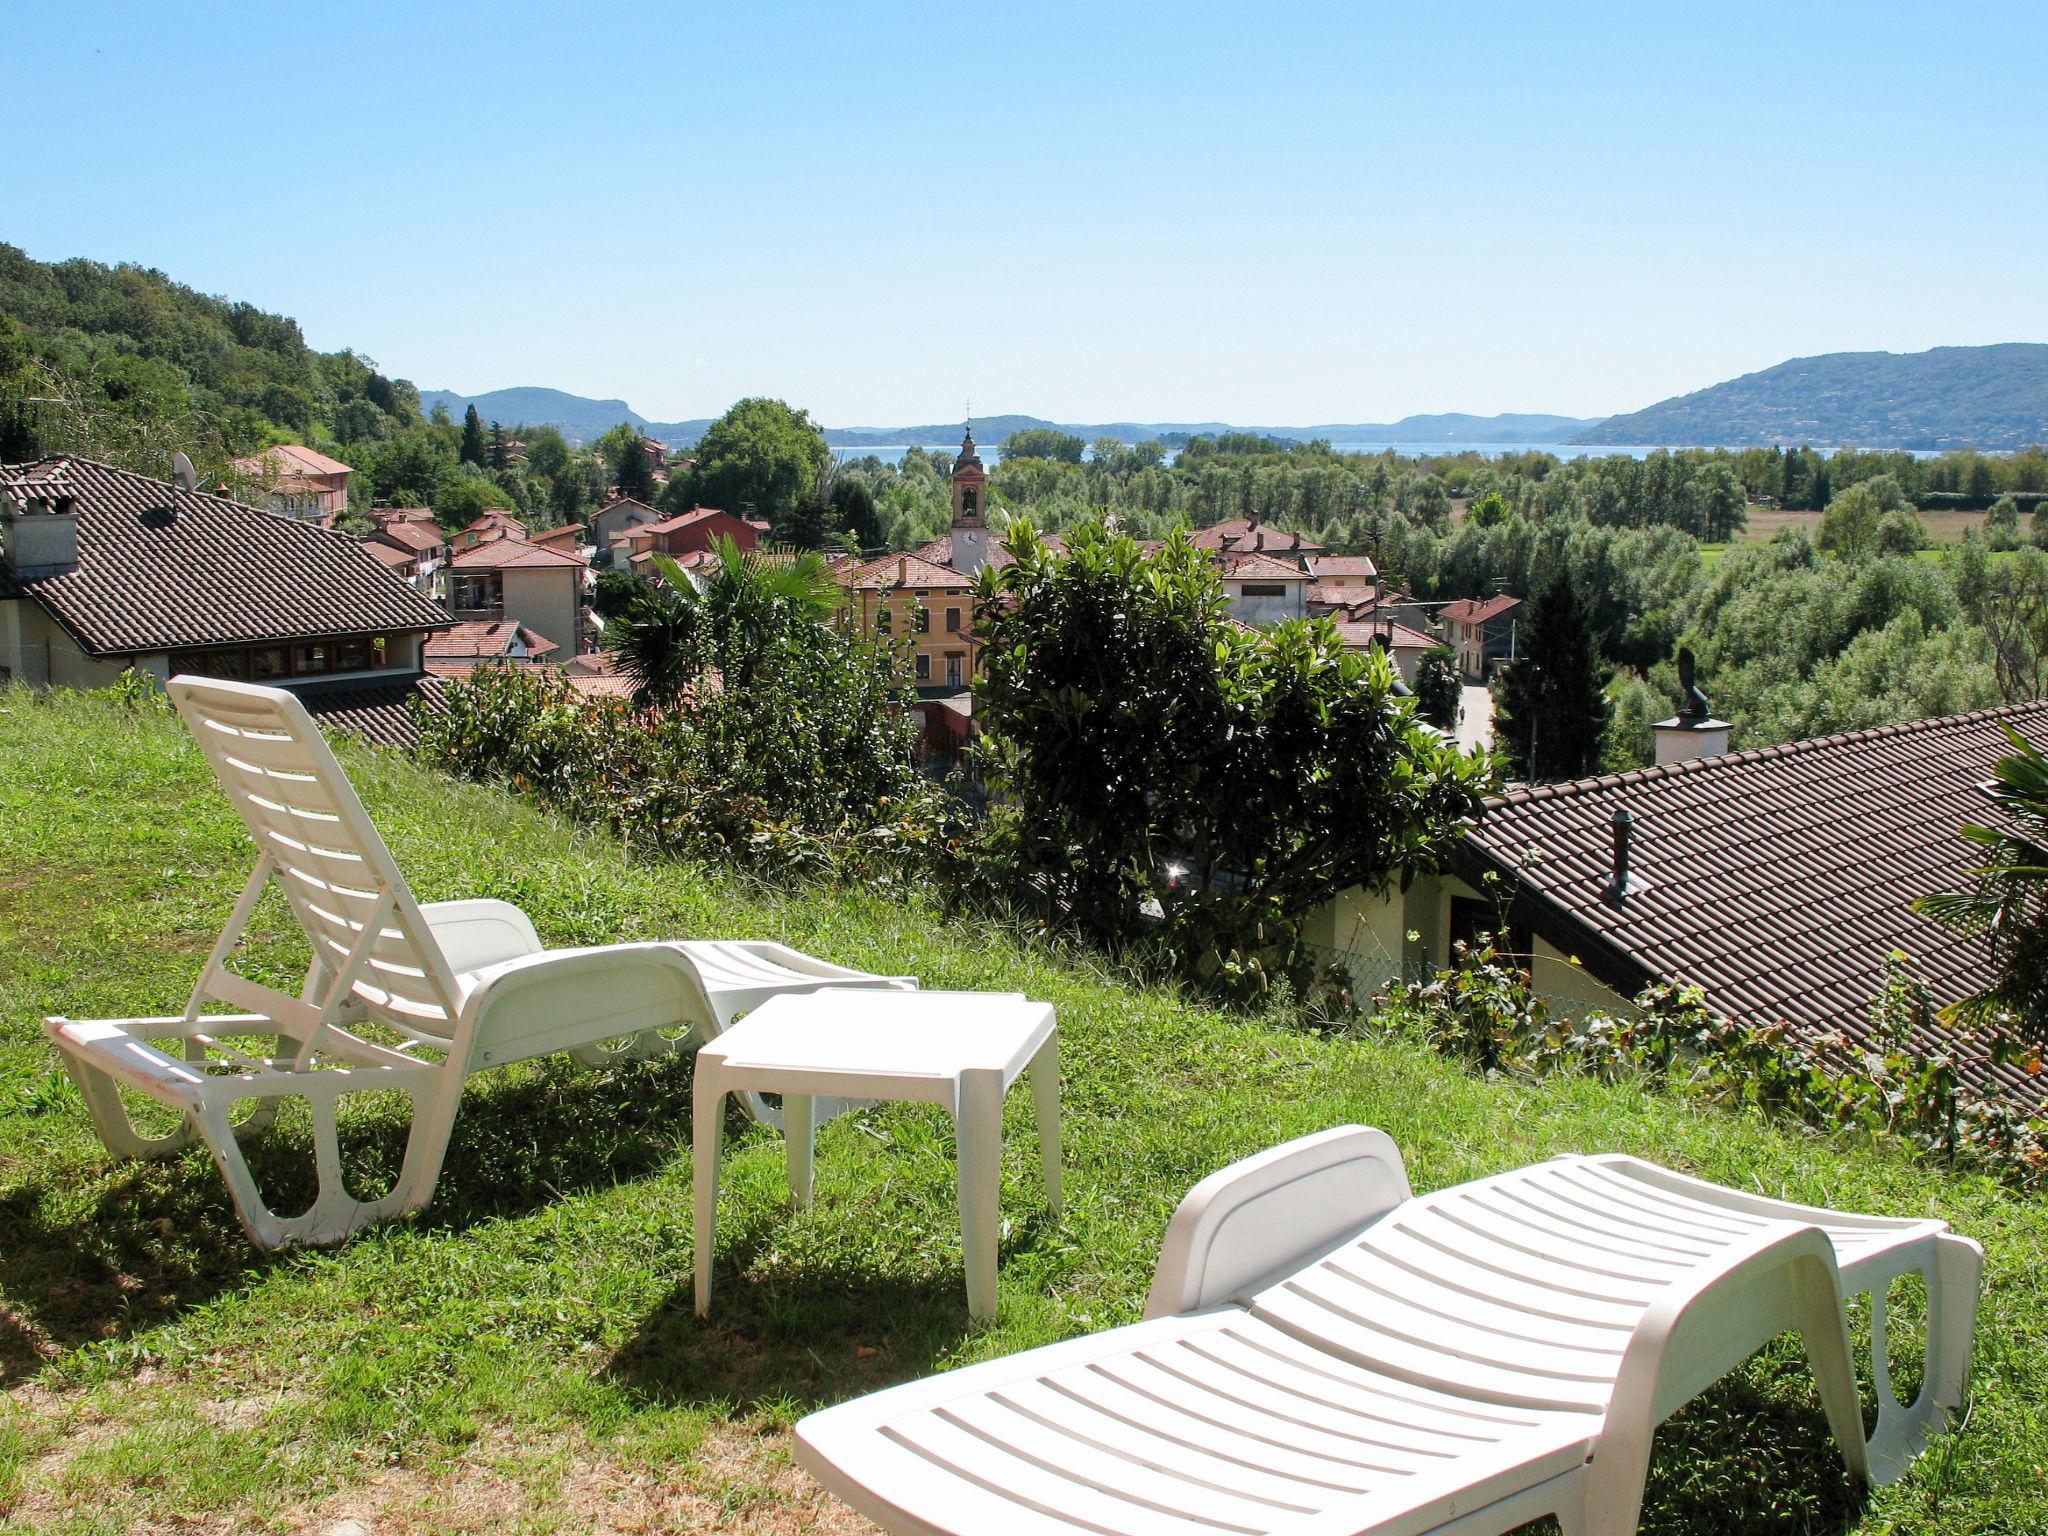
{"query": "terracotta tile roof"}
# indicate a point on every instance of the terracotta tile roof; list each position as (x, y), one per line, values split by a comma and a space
(215, 573)
(684, 520)
(390, 554)
(905, 573)
(1261, 568)
(1342, 565)
(379, 712)
(478, 640)
(1777, 879)
(511, 554)
(1359, 633)
(570, 533)
(417, 537)
(1251, 537)
(1473, 610)
(292, 458)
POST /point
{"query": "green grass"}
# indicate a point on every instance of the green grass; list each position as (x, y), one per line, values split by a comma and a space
(523, 1357)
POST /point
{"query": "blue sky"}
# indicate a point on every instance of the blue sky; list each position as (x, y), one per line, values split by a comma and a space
(1268, 213)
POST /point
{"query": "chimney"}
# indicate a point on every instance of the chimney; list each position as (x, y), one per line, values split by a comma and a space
(1693, 731)
(902, 571)
(38, 529)
(1622, 831)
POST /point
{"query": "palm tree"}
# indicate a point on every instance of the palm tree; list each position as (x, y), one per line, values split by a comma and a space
(2009, 907)
(731, 618)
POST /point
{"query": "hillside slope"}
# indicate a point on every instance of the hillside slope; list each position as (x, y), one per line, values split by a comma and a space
(524, 1357)
(1951, 397)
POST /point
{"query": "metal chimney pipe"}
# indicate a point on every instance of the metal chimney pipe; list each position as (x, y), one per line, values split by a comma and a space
(1623, 828)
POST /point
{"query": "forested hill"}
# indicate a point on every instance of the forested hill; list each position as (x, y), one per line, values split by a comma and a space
(1952, 397)
(125, 364)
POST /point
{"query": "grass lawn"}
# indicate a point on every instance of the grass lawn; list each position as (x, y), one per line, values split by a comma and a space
(523, 1357)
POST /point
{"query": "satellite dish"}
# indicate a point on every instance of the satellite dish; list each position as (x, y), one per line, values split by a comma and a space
(183, 472)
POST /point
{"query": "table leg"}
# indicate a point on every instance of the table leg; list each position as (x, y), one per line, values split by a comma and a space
(707, 1138)
(1045, 1099)
(978, 1133)
(799, 1128)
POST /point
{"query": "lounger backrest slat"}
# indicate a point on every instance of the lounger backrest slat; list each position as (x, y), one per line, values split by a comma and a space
(336, 873)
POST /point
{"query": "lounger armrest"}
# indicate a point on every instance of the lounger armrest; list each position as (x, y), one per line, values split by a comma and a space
(482, 932)
(1272, 1212)
(1781, 1279)
(564, 998)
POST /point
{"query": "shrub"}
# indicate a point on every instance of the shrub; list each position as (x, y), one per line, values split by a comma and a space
(1160, 765)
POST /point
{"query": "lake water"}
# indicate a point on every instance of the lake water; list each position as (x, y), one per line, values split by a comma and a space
(992, 456)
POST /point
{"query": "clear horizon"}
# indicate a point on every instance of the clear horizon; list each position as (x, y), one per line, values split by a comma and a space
(1296, 214)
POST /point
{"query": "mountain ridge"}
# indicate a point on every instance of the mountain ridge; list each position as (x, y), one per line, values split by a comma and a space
(1989, 397)
(583, 418)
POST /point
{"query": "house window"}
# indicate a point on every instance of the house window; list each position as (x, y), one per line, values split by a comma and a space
(1263, 589)
(924, 668)
(953, 670)
(351, 655)
(952, 621)
(885, 620)
(924, 619)
(313, 658)
(269, 661)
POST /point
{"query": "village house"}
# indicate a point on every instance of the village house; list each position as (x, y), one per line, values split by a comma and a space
(460, 650)
(492, 523)
(1405, 646)
(103, 571)
(610, 522)
(509, 579)
(296, 481)
(1249, 536)
(565, 538)
(686, 533)
(1780, 880)
(922, 611)
(1262, 590)
(1482, 633)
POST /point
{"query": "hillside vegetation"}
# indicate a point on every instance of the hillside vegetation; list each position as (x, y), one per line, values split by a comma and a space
(1951, 397)
(523, 1358)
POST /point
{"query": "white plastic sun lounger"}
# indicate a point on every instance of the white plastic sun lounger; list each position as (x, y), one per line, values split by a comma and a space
(1327, 1355)
(446, 989)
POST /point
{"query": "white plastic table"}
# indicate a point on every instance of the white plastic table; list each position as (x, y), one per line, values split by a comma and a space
(959, 1049)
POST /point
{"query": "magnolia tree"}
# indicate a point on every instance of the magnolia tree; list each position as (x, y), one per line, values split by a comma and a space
(1157, 763)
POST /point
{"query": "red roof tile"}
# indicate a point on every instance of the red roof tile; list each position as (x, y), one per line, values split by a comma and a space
(511, 554)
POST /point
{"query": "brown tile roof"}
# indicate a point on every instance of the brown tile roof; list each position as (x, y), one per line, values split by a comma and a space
(390, 554)
(510, 554)
(379, 712)
(1473, 610)
(570, 533)
(1777, 879)
(215, 573)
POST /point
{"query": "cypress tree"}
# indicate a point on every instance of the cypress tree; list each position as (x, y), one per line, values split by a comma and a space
(1550, 710)
(472, 451)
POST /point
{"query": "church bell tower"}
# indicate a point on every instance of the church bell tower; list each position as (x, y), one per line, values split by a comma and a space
(970, 508)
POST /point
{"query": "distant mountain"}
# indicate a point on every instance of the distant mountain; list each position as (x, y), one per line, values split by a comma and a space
(1952, 397)
(578, 418)
(583, 420)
